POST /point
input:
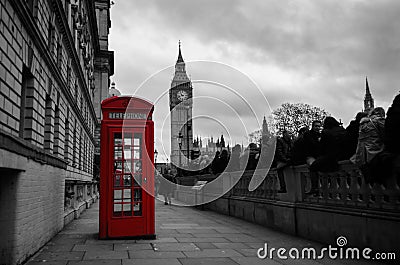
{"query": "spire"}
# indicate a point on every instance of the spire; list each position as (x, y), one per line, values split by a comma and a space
(180, 58)
(368, 100)
(367, 92)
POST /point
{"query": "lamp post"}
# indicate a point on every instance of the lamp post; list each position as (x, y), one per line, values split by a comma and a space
(180, 137)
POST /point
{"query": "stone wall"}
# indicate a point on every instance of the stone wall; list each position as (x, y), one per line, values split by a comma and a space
(368, 216)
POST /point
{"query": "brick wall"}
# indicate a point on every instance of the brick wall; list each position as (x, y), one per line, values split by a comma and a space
(31, 208)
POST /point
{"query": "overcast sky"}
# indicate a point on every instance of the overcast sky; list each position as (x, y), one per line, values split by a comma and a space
(316, 52)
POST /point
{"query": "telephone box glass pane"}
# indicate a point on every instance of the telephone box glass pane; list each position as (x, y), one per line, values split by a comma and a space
(127, 209)
(138, 166)
(117, 138)
(136, 153)
(117, 180)
(117, 195)
(137, 195)
(127, 180)
(138, 180)
(127, 152)
(118, 166)
(127, 194)
(117, 209)
(137, 209)
(118, 152)
(127, 139)
(128, 166)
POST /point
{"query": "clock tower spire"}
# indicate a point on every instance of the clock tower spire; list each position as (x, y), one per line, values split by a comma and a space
(181, 105)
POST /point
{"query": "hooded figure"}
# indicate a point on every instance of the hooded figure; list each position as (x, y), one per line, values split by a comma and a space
(370, 139)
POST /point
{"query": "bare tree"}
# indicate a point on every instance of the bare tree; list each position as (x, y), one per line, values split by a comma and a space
(293, 116)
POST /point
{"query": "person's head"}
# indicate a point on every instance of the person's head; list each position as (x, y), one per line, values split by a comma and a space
(360, 115)
(330, 122)
(316, 126)
(378, 111)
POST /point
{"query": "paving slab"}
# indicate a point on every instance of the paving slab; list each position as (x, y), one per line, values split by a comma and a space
(95, 262)
(205, 245)
(212, 253)
(151, 254)
(93, 248)
(58, 255)
(175, 247)
(208, 261)
(165, 261)
(105, 254)
(230, 245)
(158, 240)
(58, 262)
(254, 261)
(204, 239)
(132, 246)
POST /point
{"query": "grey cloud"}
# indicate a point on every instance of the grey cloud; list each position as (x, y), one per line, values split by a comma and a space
(334, 40)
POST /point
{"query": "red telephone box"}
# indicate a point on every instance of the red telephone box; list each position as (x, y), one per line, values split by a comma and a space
(127, 169)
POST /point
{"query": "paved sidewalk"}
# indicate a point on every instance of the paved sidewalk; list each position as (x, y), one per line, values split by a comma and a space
(185, 236)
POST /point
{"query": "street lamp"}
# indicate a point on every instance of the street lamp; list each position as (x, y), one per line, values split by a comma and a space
(180, 137)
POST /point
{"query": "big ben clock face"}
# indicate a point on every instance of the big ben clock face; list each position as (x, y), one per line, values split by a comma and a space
(182, 95)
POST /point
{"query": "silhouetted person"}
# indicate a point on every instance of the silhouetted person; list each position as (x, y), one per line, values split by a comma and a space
(249, 158)
(298, 156)
(234, 162)
(333, 138)
(223, 161)
(391, 138)
(283, 151)
(392, 127)
(370, 143)
(214, 163)
(166, 187)
(312, 142)
(352, 132)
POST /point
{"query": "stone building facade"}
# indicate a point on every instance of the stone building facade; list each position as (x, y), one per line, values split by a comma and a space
(54, 72)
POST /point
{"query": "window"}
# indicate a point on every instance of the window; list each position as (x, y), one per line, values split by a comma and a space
(49, 125)
(27, 83)
(67, 137)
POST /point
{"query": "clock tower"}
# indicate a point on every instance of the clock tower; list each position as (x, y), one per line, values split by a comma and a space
(181, 104)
